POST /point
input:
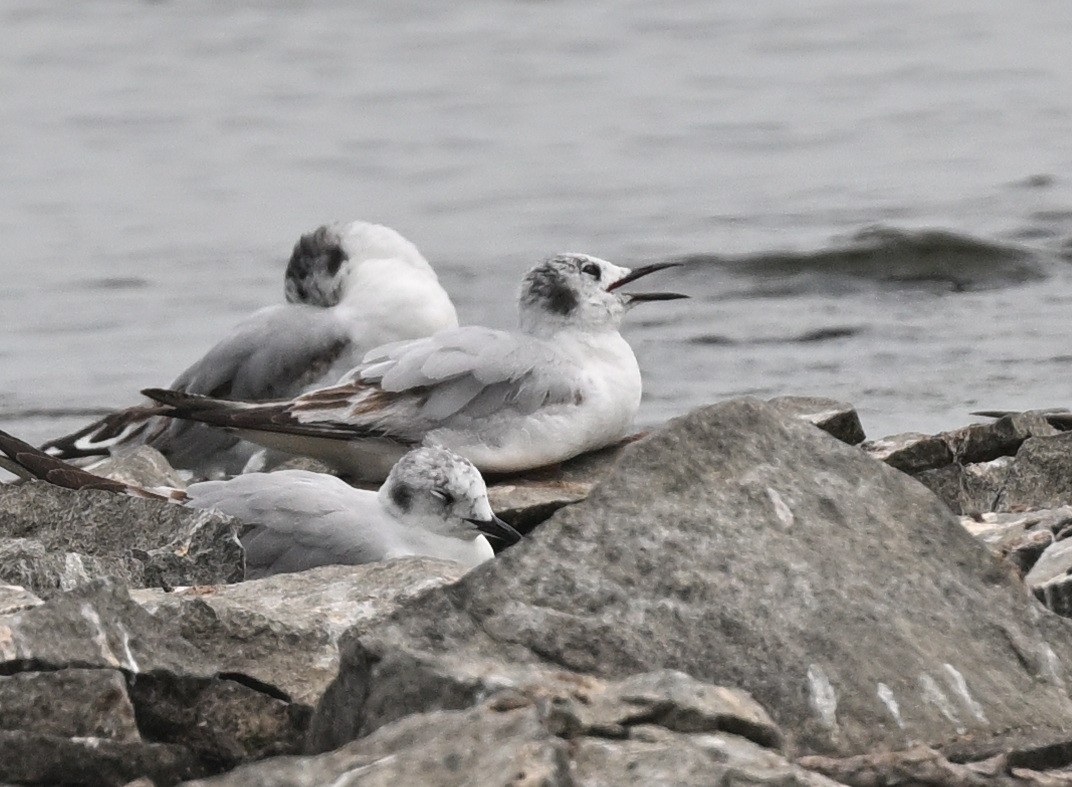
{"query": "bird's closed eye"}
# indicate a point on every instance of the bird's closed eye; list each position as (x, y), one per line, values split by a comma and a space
(592, 270)
(446, 497)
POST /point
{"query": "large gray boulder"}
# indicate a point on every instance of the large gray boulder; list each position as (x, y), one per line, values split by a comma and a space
(527, 499)
(94, 690)
(14, 598)
(1003, 437)
(55, 539)
(911, 452)
(747, 549)
(973, 488)
(284, 630)
(838, 419)
(559, 728)
(1041, 475)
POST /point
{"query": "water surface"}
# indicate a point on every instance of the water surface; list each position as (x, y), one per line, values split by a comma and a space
(158, 160)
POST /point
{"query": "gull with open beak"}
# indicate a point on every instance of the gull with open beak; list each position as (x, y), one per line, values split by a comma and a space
(564, 383)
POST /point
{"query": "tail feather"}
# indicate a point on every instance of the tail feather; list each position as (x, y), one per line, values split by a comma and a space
(182, 400)
(37, 464)
(252, 417)
(99, 437)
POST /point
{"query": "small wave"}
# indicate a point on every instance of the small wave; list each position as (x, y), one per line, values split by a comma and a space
(105, 283)
(808, 337)
(936, 259)
(1053, 215)
(1042, 180)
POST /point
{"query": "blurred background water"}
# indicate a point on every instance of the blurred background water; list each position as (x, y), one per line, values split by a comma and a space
(875, 198)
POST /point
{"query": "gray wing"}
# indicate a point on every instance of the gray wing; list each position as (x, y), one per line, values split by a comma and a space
(406, 389)
(472, 372)
(299, 519)
(276, 352)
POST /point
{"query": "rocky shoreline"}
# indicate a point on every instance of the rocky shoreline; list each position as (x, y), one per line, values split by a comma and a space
(739, 597)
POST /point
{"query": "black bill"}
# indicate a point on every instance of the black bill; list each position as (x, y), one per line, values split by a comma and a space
(496, 528)
(642, 271)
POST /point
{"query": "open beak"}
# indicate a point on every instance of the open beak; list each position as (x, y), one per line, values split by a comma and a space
(496, 528)
(640, 272)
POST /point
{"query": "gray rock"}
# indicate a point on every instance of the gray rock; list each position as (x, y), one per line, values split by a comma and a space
(839, 419)
(284, 630)
(96, 626)
(78, 703)
(1027, 777)
(92, 677)
(673, 700)
(14, 598)
(1024, 553)
(558, 728)
(223, 721)
(29, 563)
(1003, 437)
(481, 747)
(910, 452)
(773, 560)
(84, 535)
(141, 465)
(652, 755)
(1020, 538)
(969, 489)
(302, 463)
(31, 758)
(1041, 475)
(1000, 530)
(527, 502)
(1050, 578)
(919, 765)
(1058, 417)
(528, 499)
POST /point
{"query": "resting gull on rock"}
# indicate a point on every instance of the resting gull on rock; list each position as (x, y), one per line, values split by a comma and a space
(433, 503)
(564, 383)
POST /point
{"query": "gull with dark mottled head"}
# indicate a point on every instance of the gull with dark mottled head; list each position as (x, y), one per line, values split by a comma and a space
(349, 288)
(566, 382)
(433, 503)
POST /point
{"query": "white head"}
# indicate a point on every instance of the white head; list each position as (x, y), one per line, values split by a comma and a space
(438, 490)
(578, 290)
(324, 260)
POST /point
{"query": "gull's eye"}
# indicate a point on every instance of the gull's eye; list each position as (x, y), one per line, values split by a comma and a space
(592, 270)
(446, 497)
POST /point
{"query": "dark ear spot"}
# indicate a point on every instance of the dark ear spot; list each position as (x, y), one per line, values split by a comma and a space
(550, 290)
(402, 496)
(336, 258)
(560, 298)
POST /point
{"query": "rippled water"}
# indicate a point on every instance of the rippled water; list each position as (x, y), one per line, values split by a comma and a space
(159, 159)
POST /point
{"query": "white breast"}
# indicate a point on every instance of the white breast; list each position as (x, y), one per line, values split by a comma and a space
(610, 387)
(422, 543)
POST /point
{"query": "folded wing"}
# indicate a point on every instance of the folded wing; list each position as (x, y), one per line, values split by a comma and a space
(406, 389)
(298, 519)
